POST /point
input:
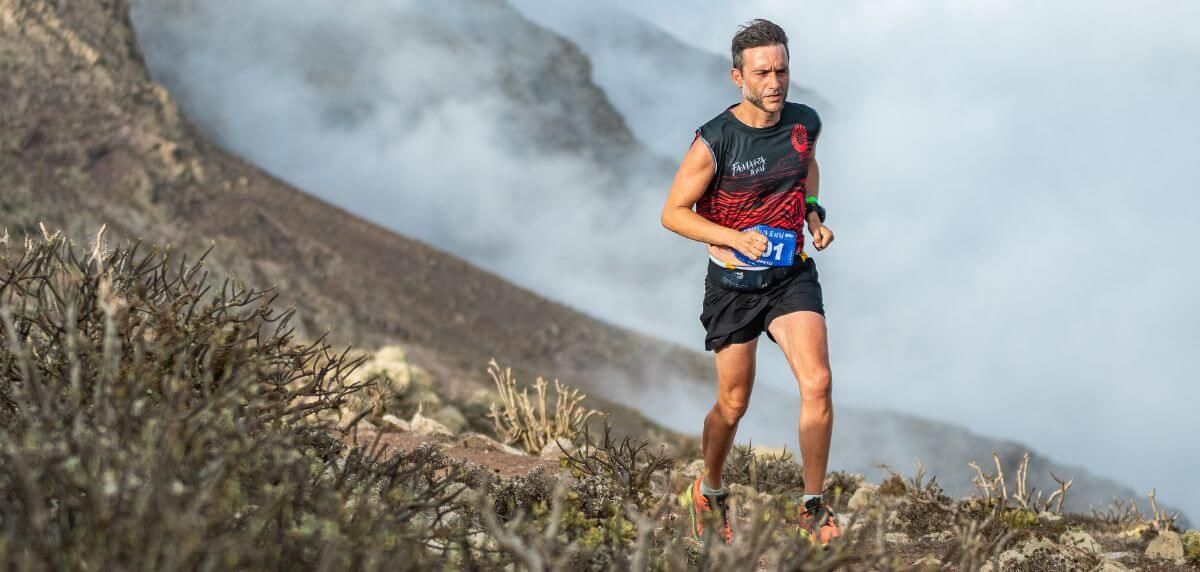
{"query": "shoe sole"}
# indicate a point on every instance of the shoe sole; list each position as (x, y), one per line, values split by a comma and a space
(804, 533)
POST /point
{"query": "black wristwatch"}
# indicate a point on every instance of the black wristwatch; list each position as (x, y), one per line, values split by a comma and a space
(815, 208)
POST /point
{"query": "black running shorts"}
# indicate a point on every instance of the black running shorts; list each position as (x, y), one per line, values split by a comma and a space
(732, 317)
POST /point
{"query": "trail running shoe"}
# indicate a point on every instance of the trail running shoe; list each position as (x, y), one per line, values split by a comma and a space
(817, 522)
(699, 505)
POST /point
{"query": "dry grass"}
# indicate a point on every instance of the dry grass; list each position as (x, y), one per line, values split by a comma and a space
(531, 423)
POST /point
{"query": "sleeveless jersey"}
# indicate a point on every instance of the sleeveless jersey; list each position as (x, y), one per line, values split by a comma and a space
(759, 173)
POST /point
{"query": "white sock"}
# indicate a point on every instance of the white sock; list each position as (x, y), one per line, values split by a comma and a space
(709, 491)
(804, 500)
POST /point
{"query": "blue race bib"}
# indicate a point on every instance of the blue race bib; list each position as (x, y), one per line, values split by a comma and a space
(781, 247)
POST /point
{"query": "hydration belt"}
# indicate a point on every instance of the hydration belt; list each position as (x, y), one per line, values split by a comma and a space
(754, 280)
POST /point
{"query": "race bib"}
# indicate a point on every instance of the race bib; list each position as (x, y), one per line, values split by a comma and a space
(781, 247)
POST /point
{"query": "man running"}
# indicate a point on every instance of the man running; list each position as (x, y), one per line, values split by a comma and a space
(755, 164)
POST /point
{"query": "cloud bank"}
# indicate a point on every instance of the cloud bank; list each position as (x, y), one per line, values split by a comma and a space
(1013, 187)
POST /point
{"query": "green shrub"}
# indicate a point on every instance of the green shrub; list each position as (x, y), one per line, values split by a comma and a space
(1191, 545)
(1019, 518)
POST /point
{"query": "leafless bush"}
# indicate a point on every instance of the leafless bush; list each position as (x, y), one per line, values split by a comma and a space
(772, 473)
(977, 540)
(1161, 520)
(611, 473)
(531, 424)
(994, 487)
(537, 551)
(150, 418)
(926, 508)
(840, 486)
(1123, 513)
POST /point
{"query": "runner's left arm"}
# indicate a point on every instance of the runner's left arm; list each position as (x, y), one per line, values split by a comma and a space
(821, 234)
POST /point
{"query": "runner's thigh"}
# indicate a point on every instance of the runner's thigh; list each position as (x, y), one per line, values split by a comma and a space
(803, 338)
(735, 367)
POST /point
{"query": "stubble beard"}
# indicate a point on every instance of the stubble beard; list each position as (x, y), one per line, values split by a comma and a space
(757, 100)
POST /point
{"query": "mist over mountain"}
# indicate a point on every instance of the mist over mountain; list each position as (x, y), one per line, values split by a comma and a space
(468, 127)
(1010, 186)
(448, 126)
(664, 88)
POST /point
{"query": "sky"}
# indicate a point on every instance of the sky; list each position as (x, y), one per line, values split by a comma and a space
(1010, 183)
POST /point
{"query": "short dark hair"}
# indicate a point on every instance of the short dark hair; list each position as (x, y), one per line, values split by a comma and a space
(755, 34)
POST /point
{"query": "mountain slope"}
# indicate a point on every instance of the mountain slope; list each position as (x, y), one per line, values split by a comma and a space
(88, 139)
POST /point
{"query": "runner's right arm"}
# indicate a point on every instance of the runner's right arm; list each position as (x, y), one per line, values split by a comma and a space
(691, 181)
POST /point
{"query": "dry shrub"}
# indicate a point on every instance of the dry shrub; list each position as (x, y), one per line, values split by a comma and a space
(531, 424)
(1022, 495)
(769, 472)
(893, 486)
(152, 419)
(611, 473)
(840, 486)
(925, 508)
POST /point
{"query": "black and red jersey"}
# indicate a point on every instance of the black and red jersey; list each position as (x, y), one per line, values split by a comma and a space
(759, 172)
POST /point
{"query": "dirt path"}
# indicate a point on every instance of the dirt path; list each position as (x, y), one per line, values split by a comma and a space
(503, 464)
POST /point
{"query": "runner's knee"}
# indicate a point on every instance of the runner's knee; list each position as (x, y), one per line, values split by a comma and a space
(732, 409)
(816, 385)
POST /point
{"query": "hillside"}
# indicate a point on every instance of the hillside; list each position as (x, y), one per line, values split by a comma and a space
(87, 138)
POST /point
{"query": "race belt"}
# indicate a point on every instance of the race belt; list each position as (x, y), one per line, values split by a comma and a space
(753, 280)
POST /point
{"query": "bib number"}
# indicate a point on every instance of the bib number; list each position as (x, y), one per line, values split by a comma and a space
(781, 247)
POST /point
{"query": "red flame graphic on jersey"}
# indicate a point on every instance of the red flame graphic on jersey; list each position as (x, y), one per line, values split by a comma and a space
(742, 201)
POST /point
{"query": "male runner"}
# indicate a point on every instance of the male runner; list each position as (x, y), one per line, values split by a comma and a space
(755, 164)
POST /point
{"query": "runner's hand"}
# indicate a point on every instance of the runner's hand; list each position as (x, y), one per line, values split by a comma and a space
(751, 244)
(724, 254)
(822, 236)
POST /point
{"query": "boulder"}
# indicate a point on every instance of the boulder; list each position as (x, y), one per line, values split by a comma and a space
(451, 417)
(1042, 554)
(1009, 560)
(422, 425)
(391, 363)
(941, 536)
(1080, 540)
(1108, 565)
(863, 499)
(392, 423)
(928, 563)
(553, 451)
(1047, 516)
(896, 538)
(1168, 546)
(483, 442)
(1034, 544)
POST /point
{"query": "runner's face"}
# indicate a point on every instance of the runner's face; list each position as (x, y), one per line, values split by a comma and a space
(764, 77)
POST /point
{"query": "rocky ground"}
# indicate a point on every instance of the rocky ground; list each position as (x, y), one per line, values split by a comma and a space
(901, 522)
(1049, 542)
